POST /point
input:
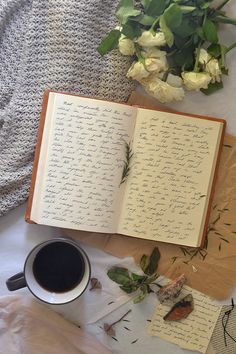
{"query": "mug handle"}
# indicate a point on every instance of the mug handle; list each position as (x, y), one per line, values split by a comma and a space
(15, 282)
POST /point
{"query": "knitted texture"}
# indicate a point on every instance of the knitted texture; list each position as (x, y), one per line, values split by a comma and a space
(48, 44)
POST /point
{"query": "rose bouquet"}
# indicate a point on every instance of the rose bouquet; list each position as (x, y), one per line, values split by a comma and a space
(174, 43)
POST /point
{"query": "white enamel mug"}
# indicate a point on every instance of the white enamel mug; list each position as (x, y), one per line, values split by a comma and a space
(56, 271)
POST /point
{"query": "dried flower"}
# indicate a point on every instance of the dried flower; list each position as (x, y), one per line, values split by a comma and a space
(126, 46)
(149, 39)
(137, 71)
(161, 90)
(196, 81)
(95, 284)
(211, 65)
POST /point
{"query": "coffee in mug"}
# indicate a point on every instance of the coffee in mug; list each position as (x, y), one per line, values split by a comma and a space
(56, 271)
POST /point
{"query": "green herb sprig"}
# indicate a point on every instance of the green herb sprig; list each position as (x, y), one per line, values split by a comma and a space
(131, 282)
(126, 168)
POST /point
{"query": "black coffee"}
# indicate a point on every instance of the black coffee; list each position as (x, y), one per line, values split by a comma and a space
(58, 267)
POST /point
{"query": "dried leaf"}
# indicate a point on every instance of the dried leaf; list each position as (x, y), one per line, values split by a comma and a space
(109, 329)
(95, 284)
(181, 309)
(171, 290)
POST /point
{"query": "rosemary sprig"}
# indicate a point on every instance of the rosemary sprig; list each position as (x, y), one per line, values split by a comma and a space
(126, 168)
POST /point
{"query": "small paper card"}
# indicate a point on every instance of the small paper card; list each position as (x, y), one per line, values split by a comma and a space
(193, 332)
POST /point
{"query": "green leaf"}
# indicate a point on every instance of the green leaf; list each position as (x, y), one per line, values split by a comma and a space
(152, 278)
(185, 29)
(126, 9)
(214, 50)
(187, 9)
(131, 30)
(169, 37)
(144, 292)
(173, 16)
(153, 263)
(184, 58)
(146, 20)
(138, 277)
(119, 275)
(225, 71)
(109, 42)
(144, 263)
(156, 8)
(201, 33)
(129, 288)
(210, 31)
(205, 5)
(212, 88)
(145, 3)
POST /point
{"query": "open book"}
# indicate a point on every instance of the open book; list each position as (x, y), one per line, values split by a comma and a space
(83, 179)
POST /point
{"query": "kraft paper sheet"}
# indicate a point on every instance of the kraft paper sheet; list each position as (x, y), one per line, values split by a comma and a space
(216, 274)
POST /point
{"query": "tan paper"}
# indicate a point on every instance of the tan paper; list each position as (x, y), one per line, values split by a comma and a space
(216, 275)
(194, 332)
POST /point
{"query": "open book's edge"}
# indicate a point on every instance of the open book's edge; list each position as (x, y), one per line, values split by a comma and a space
(203, 238)
(36, 157)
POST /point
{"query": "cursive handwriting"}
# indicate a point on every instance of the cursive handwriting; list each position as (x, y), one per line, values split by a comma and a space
(194, 332)
(169, 182)
(84, 163)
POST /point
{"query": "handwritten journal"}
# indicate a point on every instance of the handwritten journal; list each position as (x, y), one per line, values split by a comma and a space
(79, 162)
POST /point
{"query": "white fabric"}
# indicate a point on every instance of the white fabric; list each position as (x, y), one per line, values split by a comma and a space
(27, 327)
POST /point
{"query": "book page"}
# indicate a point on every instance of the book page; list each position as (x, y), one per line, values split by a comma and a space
(171, 172)
(193, 332)
(81, 164)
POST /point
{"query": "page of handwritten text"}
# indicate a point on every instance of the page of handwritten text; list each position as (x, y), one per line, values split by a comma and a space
(171, 173)
(84, 163)
(194, 332)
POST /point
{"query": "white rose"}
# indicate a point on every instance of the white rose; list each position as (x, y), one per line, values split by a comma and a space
(137, 71)
(161, 90)
(211, 65)
(174, 80)
(126, 46)
(154, 64)
(153, 52)
(147, 39)
(196, 81)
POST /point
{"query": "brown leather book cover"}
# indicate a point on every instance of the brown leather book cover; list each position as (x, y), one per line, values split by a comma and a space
(130, 103)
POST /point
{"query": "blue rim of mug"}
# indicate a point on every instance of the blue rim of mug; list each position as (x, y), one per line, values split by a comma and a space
(63, 239)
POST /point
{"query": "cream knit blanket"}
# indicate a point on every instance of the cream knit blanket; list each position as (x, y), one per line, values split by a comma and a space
(48, 44)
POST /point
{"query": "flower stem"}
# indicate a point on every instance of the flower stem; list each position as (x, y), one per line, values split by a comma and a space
(160, 286)
(224, 19)
(196, 68)
(111, 325)
(230, 47)
(222, 4)
(154, 24)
